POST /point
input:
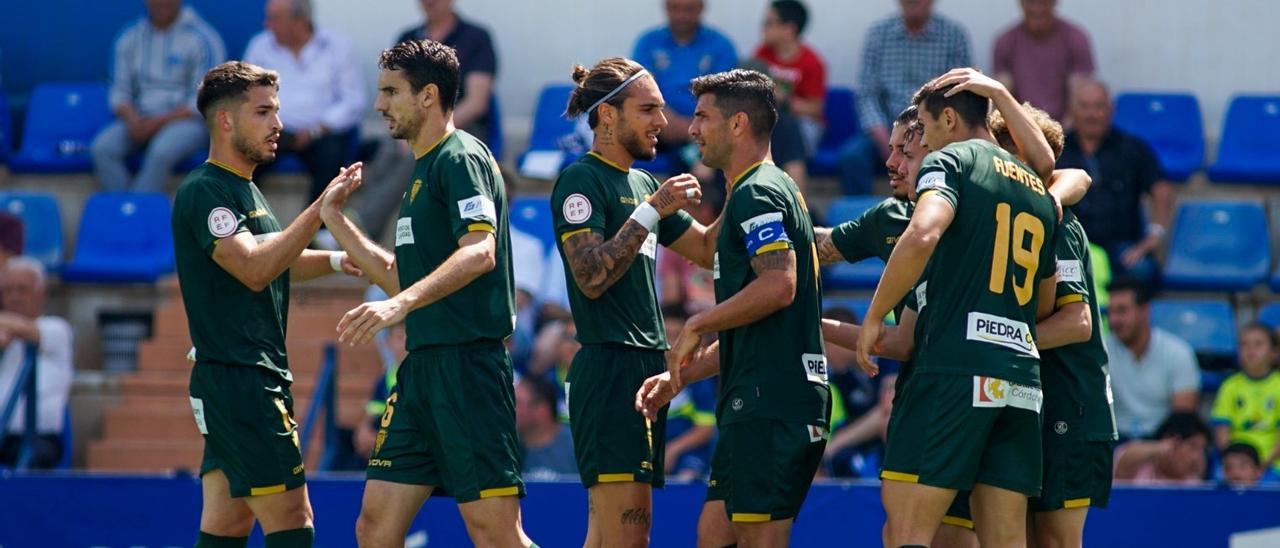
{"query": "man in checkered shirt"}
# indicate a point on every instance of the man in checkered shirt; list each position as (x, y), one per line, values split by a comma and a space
(900, 54)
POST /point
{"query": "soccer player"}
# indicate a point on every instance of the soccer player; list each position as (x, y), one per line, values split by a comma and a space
(775, 403)
(969, 414)
(234, 267)
(609, 220)
(449, 427)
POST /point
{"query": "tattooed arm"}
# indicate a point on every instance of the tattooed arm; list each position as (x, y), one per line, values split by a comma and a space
(827, 252)
(598, 264)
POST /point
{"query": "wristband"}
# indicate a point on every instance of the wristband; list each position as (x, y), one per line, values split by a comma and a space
(647, 216)
(335, 261)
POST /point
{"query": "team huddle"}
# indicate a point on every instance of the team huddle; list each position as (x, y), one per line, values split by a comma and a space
(987, 276)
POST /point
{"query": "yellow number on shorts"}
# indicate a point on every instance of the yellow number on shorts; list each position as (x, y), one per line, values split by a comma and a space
(391, 409)
(1026, 257)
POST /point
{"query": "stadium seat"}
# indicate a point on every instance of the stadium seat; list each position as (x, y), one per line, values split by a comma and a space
(62, 119)
(1250, 142)
(864, 274)
(1269, 314)
(549, 124)
(841, 114)
(123, 237)
(68, 441)
(1218, 245)
(42, 225)
(6, 129)
(496, 139)
(859, 306)
(1170, 123)
(532, 215)
(1209, 326)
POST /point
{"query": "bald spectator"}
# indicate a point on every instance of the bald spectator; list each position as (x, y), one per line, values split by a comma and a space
(899, 55)
(23, 290)
(476, 59)
(1040, 57)
(322, 93)
(156, 66)
(1124, 171)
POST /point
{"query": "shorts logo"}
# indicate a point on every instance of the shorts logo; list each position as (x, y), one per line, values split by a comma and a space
(298, 469)
(222, 222)
(737, 404)
(477, 208)
(1011, 334)
(815, 367)
(993, 392)
(381, 439)
(197, 409)
(930, 181)
(1060, 427)
(379, 463)
(816, 433)
(1070, 271)
(576, 209)
(404, 231)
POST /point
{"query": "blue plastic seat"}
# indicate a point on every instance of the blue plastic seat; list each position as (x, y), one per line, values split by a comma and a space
(123, 237)
(532, 215)
(1218, 245)
(864, 274)
(1250, 142)
(841, 115)
(1209, 326)
(1269, 315)
(549, 123)
(62, 120)
(1170, 123)
(6, 129)
(41, 225)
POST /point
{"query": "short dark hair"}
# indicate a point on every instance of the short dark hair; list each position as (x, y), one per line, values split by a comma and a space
(1183, 425)
(231, 81)
(425, 62)
(543, 392)
(598, 81)
(746, 91)
(841, 313)
(1272, 337)
(1142, 293)
(791, 12)
(1240, 448)
(971, 107)
(907, 116)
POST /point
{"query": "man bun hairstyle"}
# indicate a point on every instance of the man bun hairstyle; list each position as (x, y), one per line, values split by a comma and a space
(745, 91)
(231, 81)
(595, 83)
(425, 62)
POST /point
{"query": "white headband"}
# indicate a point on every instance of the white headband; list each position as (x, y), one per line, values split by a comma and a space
(617, 90)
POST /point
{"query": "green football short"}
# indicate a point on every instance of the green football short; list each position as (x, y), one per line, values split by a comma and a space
(246, 416)
(450, 423)
(953, 431)
(611, 440)
(1076, 475)
(762, 468)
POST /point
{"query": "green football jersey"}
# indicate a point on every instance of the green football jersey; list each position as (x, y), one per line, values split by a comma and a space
(230, 324)
(978, 307)
(773, 368)
(456, 189)
(873, 233)
(1077, 390)
(596, 195)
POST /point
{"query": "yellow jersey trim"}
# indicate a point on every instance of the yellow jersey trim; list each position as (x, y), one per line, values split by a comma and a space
(228, 168)
(1076, 503)
(734, 182)
(925, 193)
(958, 522)
(481, 227)
(1068, 299)
(900, 476)
(572, 233)
(615, 478)
(775, 246)
(500, 492)
(418, 156)
(610, 163)
(271, 490)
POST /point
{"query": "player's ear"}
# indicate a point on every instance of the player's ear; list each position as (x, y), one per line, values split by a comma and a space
(429, 96)
(739, 124)
(222, 119)
(607, 114)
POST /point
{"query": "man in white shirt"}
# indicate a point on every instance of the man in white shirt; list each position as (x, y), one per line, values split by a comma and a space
(1153, 372)
(322, 93)
(23, 290)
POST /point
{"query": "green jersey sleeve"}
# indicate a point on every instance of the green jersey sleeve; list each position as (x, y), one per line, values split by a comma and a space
(857, 239)
(757, 217)
(211, 214)
(1072, 285)
(941, 173)
(578, 203)
(470, 184)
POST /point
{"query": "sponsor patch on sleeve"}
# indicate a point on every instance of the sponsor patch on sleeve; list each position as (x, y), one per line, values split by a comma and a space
(765, 233)
(576, 209)
(1070, 271)
(815, 367)
(222, 222)
(477, 208)
(930, 181)
(404, 231)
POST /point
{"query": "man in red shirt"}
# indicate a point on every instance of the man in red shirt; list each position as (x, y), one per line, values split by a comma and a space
(802, 85)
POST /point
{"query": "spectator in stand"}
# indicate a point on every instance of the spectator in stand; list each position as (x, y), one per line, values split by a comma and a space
(675, 54)
(1124, 170)
(899, 55)
(391, 349)
(11, 237)
(856, 448)
(691, 419)
(1240, 466)
(23, 290)
(322, 91)
(801, 76)
(854, 395)
(1247, 408)
(1177, 455)
(158, 63)
(1039, 58)
(682, 284)
(548, 445)
(476, 60)
(1153, 372)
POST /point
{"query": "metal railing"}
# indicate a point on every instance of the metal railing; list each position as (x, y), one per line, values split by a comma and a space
(25, 386)
(324, 399)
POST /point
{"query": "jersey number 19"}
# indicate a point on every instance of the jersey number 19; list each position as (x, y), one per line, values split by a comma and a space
(1025, 256)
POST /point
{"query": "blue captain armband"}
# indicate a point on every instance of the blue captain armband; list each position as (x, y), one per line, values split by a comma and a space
(765, 233)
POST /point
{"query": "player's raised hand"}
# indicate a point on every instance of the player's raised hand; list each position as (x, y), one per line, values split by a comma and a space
(359, 325)
(868, 340)
(676, 193)
(340, 188)
(656, 392)
(968, 79)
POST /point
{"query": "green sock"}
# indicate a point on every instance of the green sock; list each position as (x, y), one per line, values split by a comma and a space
(214, 541)
(293, 538)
